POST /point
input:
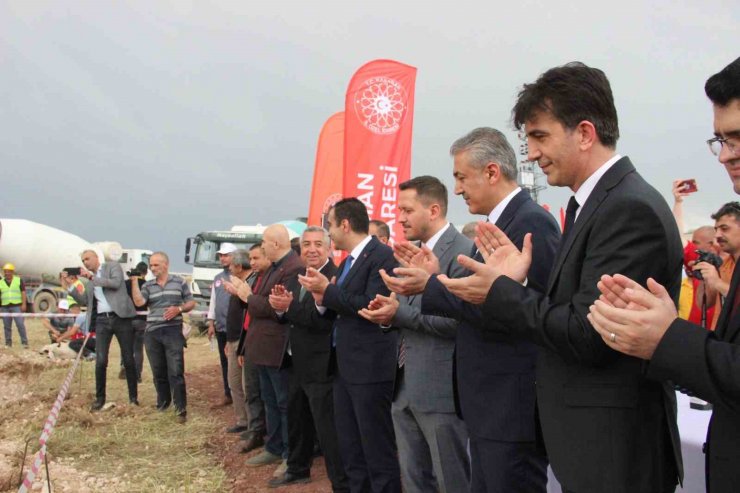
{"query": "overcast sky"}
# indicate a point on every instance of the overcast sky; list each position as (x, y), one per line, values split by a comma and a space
(146, 122)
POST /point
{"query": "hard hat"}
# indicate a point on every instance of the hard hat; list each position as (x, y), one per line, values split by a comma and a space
(227, 248)
(8, 266)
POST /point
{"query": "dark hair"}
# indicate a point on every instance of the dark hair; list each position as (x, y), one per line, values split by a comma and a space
(571, 93)
(295, 244)
(429, 189)
(256, 246)
(724, 86)
(354, 211)
(728, 209)
(142, 267)
(382, 228)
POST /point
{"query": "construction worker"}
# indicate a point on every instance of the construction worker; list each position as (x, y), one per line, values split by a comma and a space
(13, 300)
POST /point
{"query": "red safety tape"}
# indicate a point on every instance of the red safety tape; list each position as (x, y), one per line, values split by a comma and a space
(71, 315)
(49, 424)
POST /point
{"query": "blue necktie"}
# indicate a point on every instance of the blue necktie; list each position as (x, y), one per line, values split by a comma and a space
(345, 271)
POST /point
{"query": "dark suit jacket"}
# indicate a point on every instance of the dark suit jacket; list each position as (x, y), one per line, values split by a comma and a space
(496, 369)
(309, 333)
(430, 339)
(266, 337)
(365, 354)
(606, 427)
(708, 364)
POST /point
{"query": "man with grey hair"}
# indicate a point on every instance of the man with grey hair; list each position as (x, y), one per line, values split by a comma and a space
(239, 267)
(495, 371)
(310, 394)
(168, 297)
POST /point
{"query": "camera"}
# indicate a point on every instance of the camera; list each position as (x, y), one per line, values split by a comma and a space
(135, 272)
(708, 257)
(72, 271)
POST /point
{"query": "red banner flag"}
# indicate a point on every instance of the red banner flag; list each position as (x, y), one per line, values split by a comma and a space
(327, 174)
(379, 117)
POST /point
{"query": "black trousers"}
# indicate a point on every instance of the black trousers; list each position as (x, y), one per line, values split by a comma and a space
(107, 326)
(362, 413)
(221, 339)
(164, 348)
(311, 414)
(504, 467)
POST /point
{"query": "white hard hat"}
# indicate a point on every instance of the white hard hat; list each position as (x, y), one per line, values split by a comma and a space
(227, 248)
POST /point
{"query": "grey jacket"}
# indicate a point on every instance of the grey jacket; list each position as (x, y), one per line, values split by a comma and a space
(430, 339)
(114, 290)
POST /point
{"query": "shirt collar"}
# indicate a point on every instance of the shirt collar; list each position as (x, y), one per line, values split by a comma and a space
(588, 186)
(356, 251)
(434, 239)
(499, 209)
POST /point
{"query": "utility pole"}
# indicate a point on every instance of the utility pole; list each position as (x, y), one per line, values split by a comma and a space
(528, 173)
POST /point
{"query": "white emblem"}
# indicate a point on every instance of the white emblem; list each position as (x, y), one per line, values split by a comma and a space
(380, 104)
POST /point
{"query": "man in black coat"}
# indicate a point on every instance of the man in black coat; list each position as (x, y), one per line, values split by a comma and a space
(702, 362)
(310, 396)
(606, 427)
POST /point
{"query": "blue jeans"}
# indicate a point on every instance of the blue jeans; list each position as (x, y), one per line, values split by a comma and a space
(105, 328)
(8, 325)
(274, 390)
(164, 348)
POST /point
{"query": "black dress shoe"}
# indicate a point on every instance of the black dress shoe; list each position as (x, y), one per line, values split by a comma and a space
(288, 478)
(253, 442)
(97, 406)
(237, 429)
(134, 401)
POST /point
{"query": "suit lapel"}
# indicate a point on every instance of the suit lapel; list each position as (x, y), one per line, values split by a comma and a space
(610, 179)
(726, 329)
(509, 211)
(359, 261)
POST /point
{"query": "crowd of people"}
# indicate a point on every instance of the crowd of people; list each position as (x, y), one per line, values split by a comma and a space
(458, 362)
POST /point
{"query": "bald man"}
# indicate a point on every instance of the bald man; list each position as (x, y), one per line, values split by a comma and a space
(267, 342)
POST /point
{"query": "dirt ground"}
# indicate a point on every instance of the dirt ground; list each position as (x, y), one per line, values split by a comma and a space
(126, 448)
(224, 446)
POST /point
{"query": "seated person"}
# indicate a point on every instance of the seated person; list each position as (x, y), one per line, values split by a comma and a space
(58, 325)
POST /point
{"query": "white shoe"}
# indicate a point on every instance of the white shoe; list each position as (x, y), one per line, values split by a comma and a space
(281, 469)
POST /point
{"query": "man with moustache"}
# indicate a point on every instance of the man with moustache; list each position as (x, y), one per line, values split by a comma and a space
(310, 395)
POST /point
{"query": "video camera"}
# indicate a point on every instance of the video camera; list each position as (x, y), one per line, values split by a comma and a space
(708, 257)
(72, 271)
(135, 272)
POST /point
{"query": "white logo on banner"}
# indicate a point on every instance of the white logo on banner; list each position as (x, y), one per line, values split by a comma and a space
(380, 105)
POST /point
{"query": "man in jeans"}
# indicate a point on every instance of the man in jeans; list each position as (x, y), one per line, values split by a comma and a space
(109, 313)
(167, 297)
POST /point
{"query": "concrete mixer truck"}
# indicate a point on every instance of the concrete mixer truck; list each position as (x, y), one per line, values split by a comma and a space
(41, 252)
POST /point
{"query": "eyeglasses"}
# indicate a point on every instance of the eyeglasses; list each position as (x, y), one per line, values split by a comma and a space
(715, 145)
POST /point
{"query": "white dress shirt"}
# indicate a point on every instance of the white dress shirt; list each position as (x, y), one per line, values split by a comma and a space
(588, 186)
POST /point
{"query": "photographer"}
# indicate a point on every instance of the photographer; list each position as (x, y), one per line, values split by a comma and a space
(138, 322)
(717, 279)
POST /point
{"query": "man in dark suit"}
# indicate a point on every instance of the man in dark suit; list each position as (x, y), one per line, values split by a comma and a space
(366, 355)
(703, 362)
(491, 367)
(109, 313)
(267, 340)
(310, 396)
(432, 440)
(606, 427)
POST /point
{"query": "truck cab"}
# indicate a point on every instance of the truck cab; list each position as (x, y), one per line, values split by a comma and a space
(202, 249)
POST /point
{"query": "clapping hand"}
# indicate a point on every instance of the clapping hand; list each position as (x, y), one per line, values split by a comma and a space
(410, 255)
(381, 309)
(241, 288)
(280, 298)
(502, 258)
